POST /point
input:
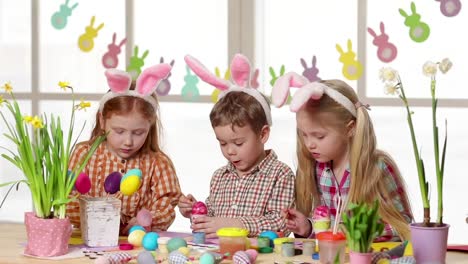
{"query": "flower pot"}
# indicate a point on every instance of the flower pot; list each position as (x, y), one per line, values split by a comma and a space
(46, 237)
(360, 258)
(100, 221)
(429, 243)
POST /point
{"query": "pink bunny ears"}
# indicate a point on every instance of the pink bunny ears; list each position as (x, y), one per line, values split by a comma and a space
(308, 90)
(120, 81)
(241, 75)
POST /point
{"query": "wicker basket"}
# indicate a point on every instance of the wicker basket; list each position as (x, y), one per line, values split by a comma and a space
(100, 221)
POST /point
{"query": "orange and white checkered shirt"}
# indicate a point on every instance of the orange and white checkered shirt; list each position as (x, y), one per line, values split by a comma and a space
(159, 191)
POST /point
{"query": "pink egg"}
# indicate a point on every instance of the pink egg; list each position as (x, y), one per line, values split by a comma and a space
(252, 254)
(83, 183)
(241, 257)
(144, 217)
(199, 208)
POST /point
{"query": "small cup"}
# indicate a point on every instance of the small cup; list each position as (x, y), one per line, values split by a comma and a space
(308, 247)
(199, 237)
(331, 245)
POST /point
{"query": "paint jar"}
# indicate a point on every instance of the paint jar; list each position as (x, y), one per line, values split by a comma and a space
(231, 240)
(278, 242)
(308, 247)
(287, 249)
(199, 237)
(331, 245)
(263, 242)
(162, 245)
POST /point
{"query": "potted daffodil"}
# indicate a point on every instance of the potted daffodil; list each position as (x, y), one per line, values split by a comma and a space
(42, 154)
(426, 249)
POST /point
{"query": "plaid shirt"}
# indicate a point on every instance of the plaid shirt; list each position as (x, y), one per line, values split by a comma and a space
(256, 198)
(159, 191)
(329, 188)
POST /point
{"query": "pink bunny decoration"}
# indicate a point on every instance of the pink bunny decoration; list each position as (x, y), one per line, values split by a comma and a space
(310, 73)
(241, 76)
(110, 59)
(146, 84)
(386, 51)
(308, 90)
(450, 8)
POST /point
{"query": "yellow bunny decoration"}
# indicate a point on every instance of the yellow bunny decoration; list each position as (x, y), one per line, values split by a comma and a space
(352, 69)
(86, 40)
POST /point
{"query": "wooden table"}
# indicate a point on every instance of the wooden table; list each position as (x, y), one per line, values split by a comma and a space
(12, 235)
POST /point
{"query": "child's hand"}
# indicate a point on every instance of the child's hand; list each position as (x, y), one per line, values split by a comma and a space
(209, 225)
(185, 205)
(297, 222)
(130, 224)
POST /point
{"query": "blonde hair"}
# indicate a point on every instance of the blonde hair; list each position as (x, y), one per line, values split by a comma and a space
(367, 182)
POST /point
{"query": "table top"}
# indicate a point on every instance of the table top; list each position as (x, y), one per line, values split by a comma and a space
(13, 236)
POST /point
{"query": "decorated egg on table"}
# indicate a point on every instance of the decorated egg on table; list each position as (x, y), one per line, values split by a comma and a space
(136, 237)
(242, 257)
(130, 185)
(150, 241)
(207, 258)
(136, 227)
(252, 254)
(199, 208)
(83, 183)
(131, 172)
(176, 257)
(184, 250)
(112, 182)
(175, 243)
(145, 257)
(144, 217)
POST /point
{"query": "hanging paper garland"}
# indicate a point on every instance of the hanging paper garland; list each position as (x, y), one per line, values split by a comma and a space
(450, 8)
(190, 90)
(59, 19)
(273, 74)
(134, 69)
(386, 51)
(86, 40)
(110, 58)
(164, 86)
(310, 73)
(419, 31)
(352, 68)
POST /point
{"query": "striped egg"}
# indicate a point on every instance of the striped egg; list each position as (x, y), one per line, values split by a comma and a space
(241, 257)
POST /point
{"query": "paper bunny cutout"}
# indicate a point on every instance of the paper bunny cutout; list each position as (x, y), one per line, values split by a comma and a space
(352, 68)
(419, 31)
(59, 19)
(450, 8)
(308, 90)
(86, 40)
(312, 72)
(386, 51)
(241, 75)
(119, 82)
(110, 58)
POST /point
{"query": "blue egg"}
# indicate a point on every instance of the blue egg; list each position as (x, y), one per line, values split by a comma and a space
(207, 258)
(136, 172)
(150, 241)
(136, 227)
(271, 235)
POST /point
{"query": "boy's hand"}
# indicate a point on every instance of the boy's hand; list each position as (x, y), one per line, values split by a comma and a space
(297, 223)
(185, 205)
(210, 225)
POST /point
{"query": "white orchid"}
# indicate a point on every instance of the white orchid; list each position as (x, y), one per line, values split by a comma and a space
(445, 65)
(430, 68)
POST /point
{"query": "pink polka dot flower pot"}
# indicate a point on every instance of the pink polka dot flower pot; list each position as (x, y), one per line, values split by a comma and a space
(46, 237)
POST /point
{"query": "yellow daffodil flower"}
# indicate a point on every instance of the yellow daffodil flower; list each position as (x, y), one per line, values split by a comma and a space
(7, 87)
(27, 119)
(2, 100)
(82, 105)
(388, 74)
(430, 68)
(37, 122)
(64, 85)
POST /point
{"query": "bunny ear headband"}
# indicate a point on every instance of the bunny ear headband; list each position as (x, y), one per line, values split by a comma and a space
(240, 74)
(120, 81)
(308, 90)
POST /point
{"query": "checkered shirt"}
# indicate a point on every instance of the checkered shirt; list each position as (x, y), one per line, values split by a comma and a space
(159, 191)
(255, 198)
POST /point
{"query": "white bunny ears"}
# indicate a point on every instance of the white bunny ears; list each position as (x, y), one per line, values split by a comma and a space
(308, 90)
(120, 81)
(241, 75)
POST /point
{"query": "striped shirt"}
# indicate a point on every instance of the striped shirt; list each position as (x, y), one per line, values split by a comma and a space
(330, 189)
(159, 191)
(256, 198)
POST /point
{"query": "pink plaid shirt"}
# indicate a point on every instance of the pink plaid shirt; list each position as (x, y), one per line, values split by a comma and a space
(256, 198)
(329, 188)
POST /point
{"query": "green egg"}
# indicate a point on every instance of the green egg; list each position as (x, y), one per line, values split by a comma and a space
(175, 243)
(207, 258)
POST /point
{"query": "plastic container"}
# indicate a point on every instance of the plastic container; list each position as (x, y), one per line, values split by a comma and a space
(331, 245)
(231, 240)
(162, 245)
(308, 247)
(278, 242)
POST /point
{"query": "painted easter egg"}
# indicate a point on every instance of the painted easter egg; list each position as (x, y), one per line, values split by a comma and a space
(207, 258)
(252, 254)
(136, 227)
(136, 172)
(150, 241)
(241, 257)
(112, 182)
(130, 185)
(175, 243)
(177, 258)
(199, 208)
(144, 217)
(184, 250)
(83, 183)
(145, 257)
(136, 237)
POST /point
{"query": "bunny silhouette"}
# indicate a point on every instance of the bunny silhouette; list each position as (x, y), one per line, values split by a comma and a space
(386, 51)
(190, 90)
(136, 63)
(86, 41)
(59, 19)
(110, 59)
(310, 73)
(254, 82)
(352, 69)
(165, 86)
(419, 31)
(216, 91)
(450, 8)
(273, 74)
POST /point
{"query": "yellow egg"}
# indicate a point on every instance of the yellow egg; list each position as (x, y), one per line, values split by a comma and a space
(136, 237)
(184, 250)
(130, 185)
